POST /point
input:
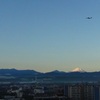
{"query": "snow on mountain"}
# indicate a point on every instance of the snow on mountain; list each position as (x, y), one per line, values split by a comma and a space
(78, 70)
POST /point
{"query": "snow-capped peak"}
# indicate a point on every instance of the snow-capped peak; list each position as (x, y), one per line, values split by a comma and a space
(77, 70)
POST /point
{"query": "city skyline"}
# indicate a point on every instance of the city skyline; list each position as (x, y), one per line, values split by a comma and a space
(47, 35)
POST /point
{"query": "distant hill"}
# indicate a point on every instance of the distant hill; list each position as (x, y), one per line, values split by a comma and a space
(15, 72)
(55, 73)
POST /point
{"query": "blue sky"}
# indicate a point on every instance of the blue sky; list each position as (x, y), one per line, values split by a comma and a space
(46, 35)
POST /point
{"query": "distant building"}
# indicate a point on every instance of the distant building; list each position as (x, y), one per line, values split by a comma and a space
(38, 90)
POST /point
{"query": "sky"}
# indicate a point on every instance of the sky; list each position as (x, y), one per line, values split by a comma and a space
(46, 35)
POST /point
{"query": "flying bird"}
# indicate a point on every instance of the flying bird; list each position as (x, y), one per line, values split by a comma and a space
(88, 17)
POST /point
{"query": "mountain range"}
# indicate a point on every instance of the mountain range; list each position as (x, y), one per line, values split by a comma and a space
(13, 71)
(75, 75)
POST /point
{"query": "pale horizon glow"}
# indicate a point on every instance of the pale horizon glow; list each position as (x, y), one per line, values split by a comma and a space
(46, 35)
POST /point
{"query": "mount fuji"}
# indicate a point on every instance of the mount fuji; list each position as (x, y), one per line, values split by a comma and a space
(78, 70)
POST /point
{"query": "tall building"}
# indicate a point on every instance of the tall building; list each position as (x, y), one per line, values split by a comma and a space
(97, 92)
(66, 90)
(88, 92)
(81, 92)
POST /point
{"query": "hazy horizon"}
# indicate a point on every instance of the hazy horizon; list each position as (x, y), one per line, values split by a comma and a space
(46, 35)
(77, 69)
